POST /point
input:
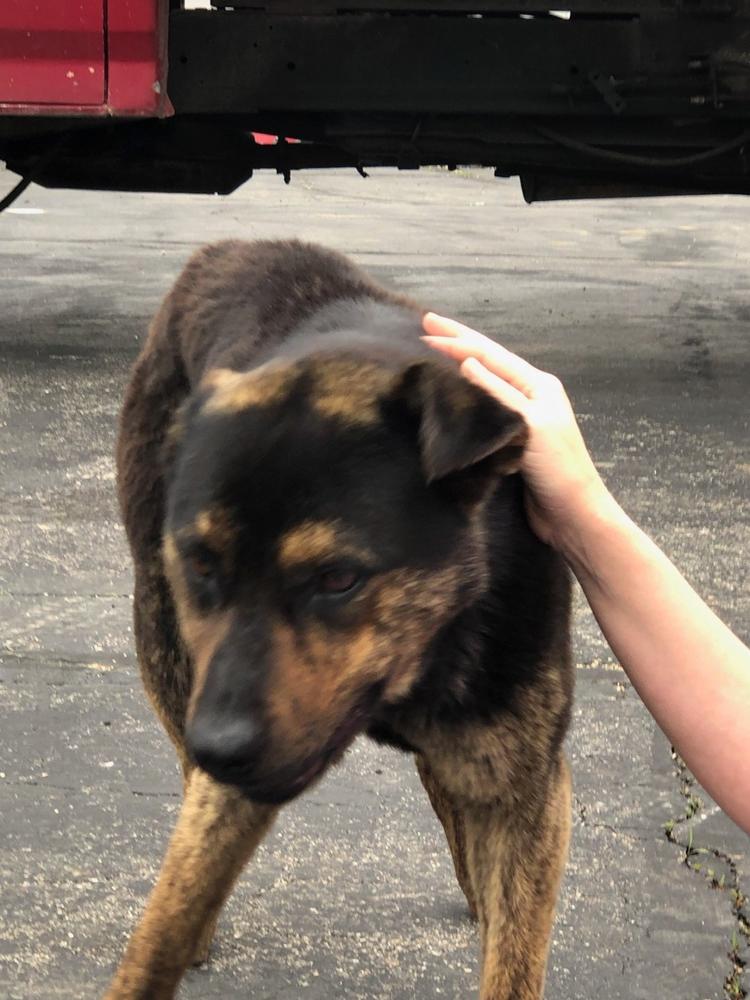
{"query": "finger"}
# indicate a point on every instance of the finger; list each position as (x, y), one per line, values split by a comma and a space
(441, 326)
(452, 330)
(501, 390)
(494, 353)
(453, 347)
(497, 359)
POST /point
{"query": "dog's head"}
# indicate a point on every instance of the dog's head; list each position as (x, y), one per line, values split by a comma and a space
(324, 522)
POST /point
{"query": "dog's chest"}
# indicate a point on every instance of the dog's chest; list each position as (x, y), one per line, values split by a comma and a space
(472, 761)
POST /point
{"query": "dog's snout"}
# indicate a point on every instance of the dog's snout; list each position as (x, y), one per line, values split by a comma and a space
(225, 748)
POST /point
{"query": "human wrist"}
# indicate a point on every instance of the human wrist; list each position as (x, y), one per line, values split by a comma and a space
(591, 516)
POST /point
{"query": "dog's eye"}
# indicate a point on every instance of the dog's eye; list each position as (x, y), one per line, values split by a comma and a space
(204, 577)
(200, 566)
(336, 582)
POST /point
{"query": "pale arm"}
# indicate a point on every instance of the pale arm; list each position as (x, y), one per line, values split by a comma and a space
(691, 671)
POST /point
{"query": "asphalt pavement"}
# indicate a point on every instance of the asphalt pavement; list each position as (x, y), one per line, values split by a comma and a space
(643, 308)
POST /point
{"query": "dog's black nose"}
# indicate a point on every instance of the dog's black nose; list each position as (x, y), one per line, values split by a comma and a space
(224, 747)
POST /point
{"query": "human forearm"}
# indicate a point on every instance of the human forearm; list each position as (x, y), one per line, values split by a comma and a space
(690, 670)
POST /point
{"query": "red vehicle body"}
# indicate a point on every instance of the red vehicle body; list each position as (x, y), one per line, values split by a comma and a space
(83, 57)
(614, 97)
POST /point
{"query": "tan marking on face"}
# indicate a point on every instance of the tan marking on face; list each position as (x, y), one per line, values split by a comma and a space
(169, 549)
(404, 608)
(201, 633)
(175, 430)
(349, 390)
(217, 378)
(321, 673)
(306, 542)
(317, 679)
(216, 528)
(410, 607)
(315, 541)
(233, 391)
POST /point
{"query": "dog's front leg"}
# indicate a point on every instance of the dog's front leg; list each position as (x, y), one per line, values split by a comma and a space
(508, 860)
(217, 831)
(453, 820)
(515, 866)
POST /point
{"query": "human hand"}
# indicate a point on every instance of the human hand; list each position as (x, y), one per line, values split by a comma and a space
(562, 484)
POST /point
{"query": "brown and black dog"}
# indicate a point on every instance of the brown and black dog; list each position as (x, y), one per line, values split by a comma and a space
(329, 539)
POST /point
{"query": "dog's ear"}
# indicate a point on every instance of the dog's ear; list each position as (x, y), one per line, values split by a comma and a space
(466, 437)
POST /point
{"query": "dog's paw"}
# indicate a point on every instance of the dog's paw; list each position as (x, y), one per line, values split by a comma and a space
(203, 947)
(201, 956)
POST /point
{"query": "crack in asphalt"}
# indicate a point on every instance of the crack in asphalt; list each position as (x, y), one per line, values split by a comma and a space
(728, 882)
(582, 812)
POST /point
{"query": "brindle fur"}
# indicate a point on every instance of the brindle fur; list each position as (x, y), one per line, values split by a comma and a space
(455, 650)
